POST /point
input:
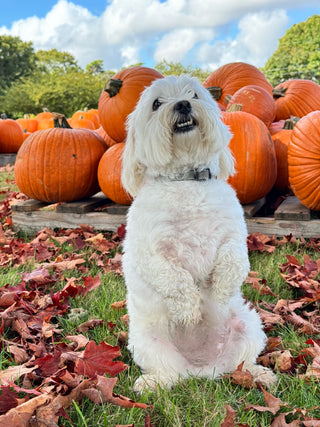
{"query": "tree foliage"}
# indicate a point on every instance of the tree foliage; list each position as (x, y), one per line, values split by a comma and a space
(176, 68)
(298, 54)
(17, 60)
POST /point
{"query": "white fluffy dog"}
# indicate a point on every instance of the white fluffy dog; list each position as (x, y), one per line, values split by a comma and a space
(185, 254)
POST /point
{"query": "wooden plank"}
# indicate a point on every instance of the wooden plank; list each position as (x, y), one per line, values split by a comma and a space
(115, 209)
(282, 227)
(28, 206)
(291, 208)
(84, 205)
(32, 222)
(7, 159)
(252, 208)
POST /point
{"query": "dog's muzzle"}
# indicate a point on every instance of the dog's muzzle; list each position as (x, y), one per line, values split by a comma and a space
(185, 121)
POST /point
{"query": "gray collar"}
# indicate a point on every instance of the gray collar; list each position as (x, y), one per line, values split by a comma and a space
(192, 175)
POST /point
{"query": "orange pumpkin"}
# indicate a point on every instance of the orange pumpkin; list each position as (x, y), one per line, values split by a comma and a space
(45, 114)
(120, 96)
(91, 115)
(254, 153)
(304, 160)
(11, 136)
(296, 97)
(81, 122)
(28, 124)
(45, 123)
(108, 140)
(281, 140)
(254, 100)
(59, 164)
(109, 175)
(229, 78)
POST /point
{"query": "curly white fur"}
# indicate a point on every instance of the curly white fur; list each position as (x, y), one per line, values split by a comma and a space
(185, 255)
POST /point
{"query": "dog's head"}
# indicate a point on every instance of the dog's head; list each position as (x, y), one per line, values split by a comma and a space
(176, 126)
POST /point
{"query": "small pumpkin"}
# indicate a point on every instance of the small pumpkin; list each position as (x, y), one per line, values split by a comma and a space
(120, 96)
(59, 164)
(296, 97)
(229, 78)
(304, 160)
(109, 175)
(255, 100)
(87, 114)
(45, 114)
(81, 122)
(28, 124)
(254, 153)
(11, 135)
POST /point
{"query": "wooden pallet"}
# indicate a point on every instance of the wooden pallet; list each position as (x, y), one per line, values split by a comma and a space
(7, 159)
(102, 214)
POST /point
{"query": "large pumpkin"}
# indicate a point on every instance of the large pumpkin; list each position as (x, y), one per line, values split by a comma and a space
(304, 160)
(229, 78)
(120, 96)
(255, 160)
(281, 140)
(59, 164)
(91, 115)
(11, 136)
(255, 100)
(296, 97)
(109, 175)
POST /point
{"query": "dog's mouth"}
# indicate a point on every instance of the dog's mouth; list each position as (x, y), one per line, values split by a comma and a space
(184, 124)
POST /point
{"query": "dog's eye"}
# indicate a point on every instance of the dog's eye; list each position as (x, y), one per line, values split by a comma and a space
(195, 96)
(156, 104)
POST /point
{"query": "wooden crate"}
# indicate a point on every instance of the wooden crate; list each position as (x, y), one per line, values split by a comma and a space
(290, 217)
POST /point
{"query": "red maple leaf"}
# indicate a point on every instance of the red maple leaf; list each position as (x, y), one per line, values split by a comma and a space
(98, 360)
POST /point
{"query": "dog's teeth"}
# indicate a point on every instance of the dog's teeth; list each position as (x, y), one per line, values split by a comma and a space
(188, 123)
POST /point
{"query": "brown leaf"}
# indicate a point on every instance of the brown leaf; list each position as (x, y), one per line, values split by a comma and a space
(229, 418)
(19, 354)
(118, 305)
(243, 378)
(273, 403)
(21, 414)
(104, 393)
(80, 340)
(90, 324)
(14, 372)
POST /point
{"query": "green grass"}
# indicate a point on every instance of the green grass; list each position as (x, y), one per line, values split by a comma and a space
(193, 402)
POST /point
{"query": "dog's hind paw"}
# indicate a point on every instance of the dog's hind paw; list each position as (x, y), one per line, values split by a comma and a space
(263, 376)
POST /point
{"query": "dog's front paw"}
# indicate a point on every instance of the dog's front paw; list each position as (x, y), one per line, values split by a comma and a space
(149, 383)
(187, 317)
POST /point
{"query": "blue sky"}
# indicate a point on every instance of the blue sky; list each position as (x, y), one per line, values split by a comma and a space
(206, 33)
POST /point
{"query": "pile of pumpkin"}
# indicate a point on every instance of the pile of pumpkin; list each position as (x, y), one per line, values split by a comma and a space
(276, 138)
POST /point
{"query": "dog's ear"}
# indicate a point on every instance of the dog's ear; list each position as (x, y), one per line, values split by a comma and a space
(226, 160)
(132, 170)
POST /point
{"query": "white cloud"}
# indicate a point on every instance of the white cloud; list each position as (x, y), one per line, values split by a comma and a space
(170, 30)
(256, 41)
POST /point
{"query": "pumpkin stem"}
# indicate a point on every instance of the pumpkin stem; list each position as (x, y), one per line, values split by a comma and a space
(26, 116)
(112, 87)
(215, 92)
(3, 116)
(60, 121)
(279, 93)
(234, 107)
(290, 123)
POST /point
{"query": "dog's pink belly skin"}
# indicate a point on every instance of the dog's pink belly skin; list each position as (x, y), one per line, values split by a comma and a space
(202, 346)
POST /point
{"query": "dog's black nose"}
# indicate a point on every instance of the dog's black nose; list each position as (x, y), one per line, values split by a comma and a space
(183, 107)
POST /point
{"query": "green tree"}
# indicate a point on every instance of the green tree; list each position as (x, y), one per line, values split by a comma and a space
(176, 68)
(298, 54)
(17, 60)
(50, 61)
(63, 93)
(95, 67)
